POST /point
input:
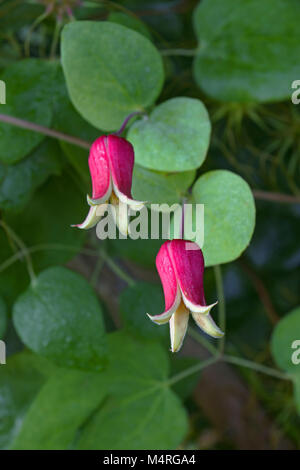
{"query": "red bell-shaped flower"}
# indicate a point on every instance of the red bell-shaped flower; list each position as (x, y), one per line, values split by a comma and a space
(180, 265)
(111, 164)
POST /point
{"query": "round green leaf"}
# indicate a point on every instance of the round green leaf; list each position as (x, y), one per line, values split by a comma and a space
(141, 406)
(248, 50)
(229, 215)
(110, 71)
(3, 318)
(138, 300)
(283, 342)
(20, 380)
(60, 318)
(174, 138)
(160, 188)
(61, 406)
(29, 85)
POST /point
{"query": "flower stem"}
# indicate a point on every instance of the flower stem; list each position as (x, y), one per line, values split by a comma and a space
(276, 197)
(257, 367)
(116, 268)
(192, 370)
(14, 121)
(182, 217)
(24, 250)
(96, 272)
(126, 120)
(222, 307)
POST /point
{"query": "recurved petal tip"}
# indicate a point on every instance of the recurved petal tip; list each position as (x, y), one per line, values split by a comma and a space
(204, 309)
(129, 201)
(207, 324)
(160, 319)
(91, 219)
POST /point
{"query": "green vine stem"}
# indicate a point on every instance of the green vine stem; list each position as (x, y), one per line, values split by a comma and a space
(14, 121)
(44, 247)
(192, 370)
(200, 338)
(57, 29)
(23, 248)
(238, 361)
(44, 130)
(116, 268)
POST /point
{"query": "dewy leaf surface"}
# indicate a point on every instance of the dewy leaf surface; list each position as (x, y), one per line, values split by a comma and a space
(175, 137)
(141, 412)
(110, 71)
(62, 405)
(229, 215)
(60, 318)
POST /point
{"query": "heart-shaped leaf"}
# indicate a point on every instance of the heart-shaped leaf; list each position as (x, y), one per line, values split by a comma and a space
(229, 215)
(20, 380)
(174, 138)
(110, 70)
(160, 188)
(62, 405)
(137, 379)
(59, 317)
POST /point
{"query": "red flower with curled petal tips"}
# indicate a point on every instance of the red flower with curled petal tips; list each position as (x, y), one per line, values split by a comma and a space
(180, 265)
(111, 164)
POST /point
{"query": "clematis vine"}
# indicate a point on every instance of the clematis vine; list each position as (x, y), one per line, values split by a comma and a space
(111, 162)
(180, 265)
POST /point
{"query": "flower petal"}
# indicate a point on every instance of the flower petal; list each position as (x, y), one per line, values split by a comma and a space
(100, 171)
(178, 327)
(167, 275)
(94, 215)
(169, 282)
(121, 158)
(188, 262)
(132, 203)
(164, 317)
(206, 323)
(120, 214)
